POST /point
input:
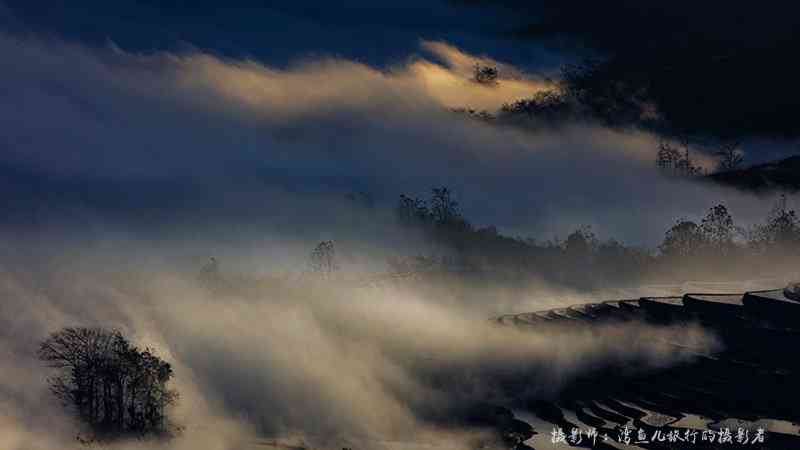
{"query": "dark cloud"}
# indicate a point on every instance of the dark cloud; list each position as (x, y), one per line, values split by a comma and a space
(277, 32)
(610, 26)
(712, 68)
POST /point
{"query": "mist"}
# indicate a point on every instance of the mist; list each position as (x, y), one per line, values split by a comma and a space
(325, 362)
(123, 172)
(165, 139)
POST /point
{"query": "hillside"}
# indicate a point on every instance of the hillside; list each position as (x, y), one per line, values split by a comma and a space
(748, 377)
(776, 175)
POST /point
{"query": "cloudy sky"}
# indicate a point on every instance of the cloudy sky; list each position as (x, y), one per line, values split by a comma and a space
(137, 139)
(155, 116)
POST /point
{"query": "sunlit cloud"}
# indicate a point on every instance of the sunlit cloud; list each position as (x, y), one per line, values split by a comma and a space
(224, 124)
(329, 364)
(453, 84)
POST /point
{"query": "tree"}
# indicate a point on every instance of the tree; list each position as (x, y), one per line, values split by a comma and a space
(444, 209)
(671, 161)
(485, 74)
(604, 96)
(442, 212)
(668, 157)
(112, 386)
(730, 157)
(551, 106)
(718, 230)
(412, 211)
(781, 230)
(581, 243)
(685, 166)
(617, 261)
(323, 259)
(578, 257)
(683, 239)
(482, 115)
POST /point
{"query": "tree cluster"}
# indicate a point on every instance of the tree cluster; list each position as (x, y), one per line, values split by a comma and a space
(581, 259)
(113, 387)
(671, 161)
(717, 234)
(323, 259)
(780, 232)
(714, 235)
(551, 107)
(440, 211)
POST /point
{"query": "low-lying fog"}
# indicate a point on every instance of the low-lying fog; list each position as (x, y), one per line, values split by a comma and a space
(330, 362)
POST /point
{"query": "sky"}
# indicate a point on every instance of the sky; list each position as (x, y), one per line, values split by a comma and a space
(279, 32)
(157, 117)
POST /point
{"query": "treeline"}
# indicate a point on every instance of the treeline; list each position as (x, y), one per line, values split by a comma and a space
(113, 388)
(592, 92)
(715, 246)
(718, 235)
(640, 93)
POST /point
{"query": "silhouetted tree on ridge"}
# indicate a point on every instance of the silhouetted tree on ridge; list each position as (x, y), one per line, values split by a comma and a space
(730, 156)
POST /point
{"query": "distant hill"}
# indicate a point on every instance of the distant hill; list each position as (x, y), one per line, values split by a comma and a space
(776, 175)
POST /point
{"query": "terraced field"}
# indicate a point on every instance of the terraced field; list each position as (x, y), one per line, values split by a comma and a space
(750, 383)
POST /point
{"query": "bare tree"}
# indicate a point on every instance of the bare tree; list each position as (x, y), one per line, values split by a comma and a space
(672, 161)
(112, 386)
(444, 209)
(730, 156)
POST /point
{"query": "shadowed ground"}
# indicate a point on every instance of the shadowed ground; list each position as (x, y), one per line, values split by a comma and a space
(749, 383)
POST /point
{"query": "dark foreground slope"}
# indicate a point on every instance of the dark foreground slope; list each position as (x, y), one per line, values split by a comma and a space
(750, 383)
(776, 175)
